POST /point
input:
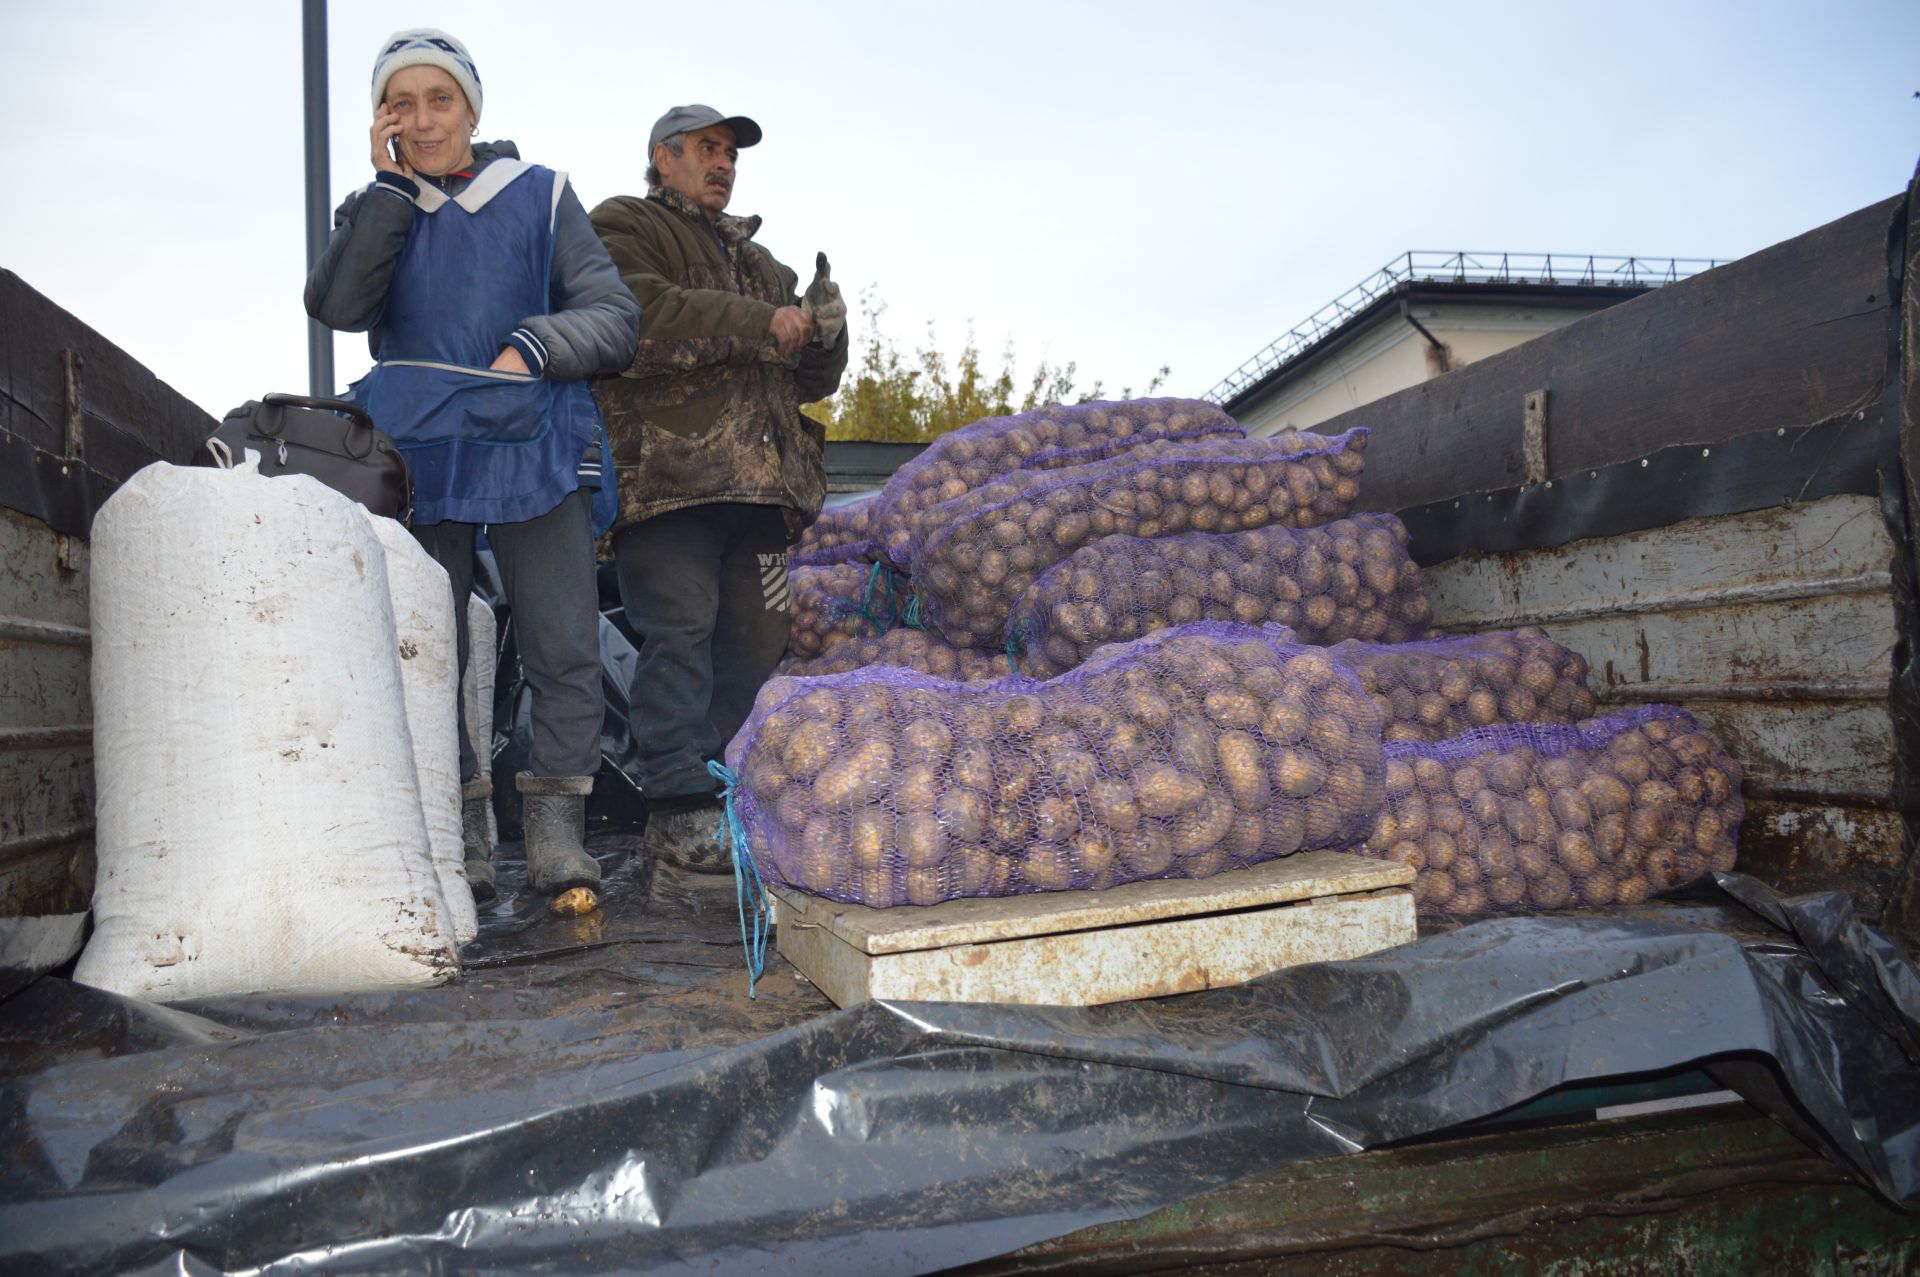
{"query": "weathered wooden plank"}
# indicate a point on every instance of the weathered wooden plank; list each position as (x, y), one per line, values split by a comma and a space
(1788, 336)
(1835, 544)
(1290, 878)
(1112, 964)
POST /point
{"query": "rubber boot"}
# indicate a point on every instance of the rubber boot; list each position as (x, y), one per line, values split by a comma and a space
(476, 799)
(553, 815)
(681, 831)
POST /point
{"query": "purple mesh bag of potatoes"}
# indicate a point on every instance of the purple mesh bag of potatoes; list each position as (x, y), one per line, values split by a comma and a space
(1436, 689)
(1184, 754)
(833, 603)
(1609, 811)
(842, 534)
(1351, 578)
(976, 555)
(1043, 439)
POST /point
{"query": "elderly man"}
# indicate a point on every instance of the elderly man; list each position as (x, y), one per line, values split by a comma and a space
(719, 471)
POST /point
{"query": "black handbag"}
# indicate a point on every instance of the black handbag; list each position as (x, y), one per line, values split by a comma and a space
(330, 439)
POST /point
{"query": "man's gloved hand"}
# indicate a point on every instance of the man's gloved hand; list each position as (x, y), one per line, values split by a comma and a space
(823, 301)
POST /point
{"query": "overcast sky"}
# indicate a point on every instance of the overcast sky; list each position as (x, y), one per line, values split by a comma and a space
(1123, 185)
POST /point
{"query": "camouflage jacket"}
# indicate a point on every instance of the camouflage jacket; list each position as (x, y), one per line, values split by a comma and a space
(707, 411)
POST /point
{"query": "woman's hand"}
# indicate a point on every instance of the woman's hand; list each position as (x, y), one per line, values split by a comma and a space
(509, 360)
(386, 127)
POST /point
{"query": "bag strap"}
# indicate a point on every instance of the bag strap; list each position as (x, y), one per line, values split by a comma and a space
(269, 421)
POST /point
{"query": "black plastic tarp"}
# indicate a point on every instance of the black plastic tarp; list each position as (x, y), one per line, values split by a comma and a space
(601, 1096)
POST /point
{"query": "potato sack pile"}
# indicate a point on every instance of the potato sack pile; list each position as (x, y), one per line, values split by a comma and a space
(1134, 643)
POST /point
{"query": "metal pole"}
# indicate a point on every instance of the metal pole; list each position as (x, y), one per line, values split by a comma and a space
(313, 39)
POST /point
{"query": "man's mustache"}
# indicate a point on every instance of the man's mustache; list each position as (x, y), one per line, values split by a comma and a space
(720, 176)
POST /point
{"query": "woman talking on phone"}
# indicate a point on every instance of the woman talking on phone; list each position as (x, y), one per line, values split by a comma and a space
(488, 301)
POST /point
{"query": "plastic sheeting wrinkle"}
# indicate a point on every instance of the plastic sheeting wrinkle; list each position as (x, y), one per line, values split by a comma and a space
(1346, 1142)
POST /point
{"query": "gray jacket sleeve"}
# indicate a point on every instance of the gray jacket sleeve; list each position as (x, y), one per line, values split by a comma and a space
(594, 324)
(348, 287)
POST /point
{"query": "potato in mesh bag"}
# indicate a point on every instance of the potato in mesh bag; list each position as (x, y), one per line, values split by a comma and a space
(836, 602)
(1192, 751)
(1042, 439)
(975, 555)
(1435, 690)
(842, 534)
(1609, 811)
(1351, 578)
(905, 648)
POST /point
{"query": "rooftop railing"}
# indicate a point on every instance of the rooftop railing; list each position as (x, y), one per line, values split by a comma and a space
(1422, 267)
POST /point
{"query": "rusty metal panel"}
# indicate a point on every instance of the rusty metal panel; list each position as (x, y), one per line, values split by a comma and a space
(1839, 646)
(1835, 545)
(1777, 627)
(1809, 750)
(1800, 847)
(46, 728)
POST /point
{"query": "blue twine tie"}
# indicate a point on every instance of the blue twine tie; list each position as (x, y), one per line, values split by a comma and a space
(734, 831)
(1019, 638)
(910, 615)
(866, 602)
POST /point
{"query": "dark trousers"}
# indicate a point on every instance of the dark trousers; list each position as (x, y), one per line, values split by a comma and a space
(546, 565)
(706, 590)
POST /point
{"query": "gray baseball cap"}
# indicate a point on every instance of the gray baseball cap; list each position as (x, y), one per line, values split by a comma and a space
(691, 118)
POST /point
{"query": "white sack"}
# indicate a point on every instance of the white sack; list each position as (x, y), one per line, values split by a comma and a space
(429, 677)
(259, 824)
(483, 657)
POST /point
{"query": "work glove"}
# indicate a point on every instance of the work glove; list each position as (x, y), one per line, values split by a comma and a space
(823, 302)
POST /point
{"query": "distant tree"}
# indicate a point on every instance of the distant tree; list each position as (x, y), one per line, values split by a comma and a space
(914, 396)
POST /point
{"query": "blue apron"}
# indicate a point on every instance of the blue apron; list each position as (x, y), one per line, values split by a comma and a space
(484, 446)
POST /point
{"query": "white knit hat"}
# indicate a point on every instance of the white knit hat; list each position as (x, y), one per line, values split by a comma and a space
(424, 46)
